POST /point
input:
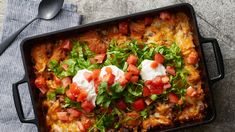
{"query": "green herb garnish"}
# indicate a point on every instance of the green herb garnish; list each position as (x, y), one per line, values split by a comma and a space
(70, 103)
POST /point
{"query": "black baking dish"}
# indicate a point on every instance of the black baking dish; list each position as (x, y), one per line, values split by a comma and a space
(27, 43)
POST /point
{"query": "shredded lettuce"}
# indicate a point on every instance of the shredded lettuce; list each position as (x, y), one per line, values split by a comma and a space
(136, 89)
(78, 59)
(70, 103)
(52, 95)
(105, 97)
(54, 66)
(118, 54)
(172, 54)
(144, 113)
(107, 120)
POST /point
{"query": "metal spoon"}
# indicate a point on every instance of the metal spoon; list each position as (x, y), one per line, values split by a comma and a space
(47, 10)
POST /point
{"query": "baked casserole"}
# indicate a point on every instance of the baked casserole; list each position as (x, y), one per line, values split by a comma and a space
(137, 75)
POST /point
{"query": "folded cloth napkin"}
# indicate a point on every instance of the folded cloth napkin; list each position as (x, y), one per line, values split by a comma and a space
(18, 13)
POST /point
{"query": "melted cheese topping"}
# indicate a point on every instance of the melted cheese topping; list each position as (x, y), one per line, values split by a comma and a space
(81, 81)
(149, 73)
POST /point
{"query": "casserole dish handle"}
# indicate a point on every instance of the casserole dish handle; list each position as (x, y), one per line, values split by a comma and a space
(218, 59)
(17, 101)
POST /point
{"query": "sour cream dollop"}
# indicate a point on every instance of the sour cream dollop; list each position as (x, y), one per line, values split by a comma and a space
(149, 73)
(118, 73)
(82, 82)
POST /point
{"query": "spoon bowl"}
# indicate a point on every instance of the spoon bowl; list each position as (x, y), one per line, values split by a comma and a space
(47, 10)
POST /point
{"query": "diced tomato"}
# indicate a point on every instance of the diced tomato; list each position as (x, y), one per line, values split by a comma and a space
(134, 79)
(96, 73)
(103, 109)
(159, 58)
(57, 80)
(121, 105)
(123, 27)
(82, 95)
(154, 64)
(109, 78)
(99, 58)
(43, 90)
(92, 60)
(67, 45)
(146, 92)
(63, 116)
(132, 59)
(171, 70)
(165, 16)
(167, 85)
(128, 75)
(148, 82)
(192, 58)
(156, 86)
(157, 82)
(81, 127)
(74, 89)
(139, 104)
(74, 113)
(132, 119)
(87, 123)
(181, 101)
(40, 83)
(133, 69)
(66, 81)
(165, 79)
(108, 70)
(88, 76)
(87, 106)
(191, 91)
(65, 67)
(123, 81)
(156, 90)
(173, 98)
(70, 95)
(96, 88)
(96, 84)
(148, 21)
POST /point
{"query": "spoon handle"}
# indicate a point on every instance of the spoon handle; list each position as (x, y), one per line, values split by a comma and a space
(7, 42)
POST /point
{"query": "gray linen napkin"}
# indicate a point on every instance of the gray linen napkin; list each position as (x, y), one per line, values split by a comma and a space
(18, 13)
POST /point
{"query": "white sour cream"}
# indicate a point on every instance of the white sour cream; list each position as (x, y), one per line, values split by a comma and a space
(82, 82)
(118, 73)
(149, 73)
